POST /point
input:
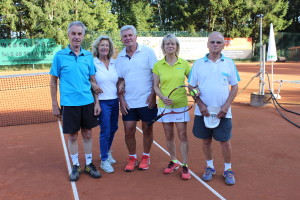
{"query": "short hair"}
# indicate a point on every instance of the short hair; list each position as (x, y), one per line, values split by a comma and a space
(126, 27)
(217, 33)
(77, 23)
(96, 43)
(170, 37)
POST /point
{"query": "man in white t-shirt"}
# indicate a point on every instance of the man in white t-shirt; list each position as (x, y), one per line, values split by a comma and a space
(214, 74)
(138, 102)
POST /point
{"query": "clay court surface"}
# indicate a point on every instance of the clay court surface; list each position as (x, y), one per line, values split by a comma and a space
(265, 156)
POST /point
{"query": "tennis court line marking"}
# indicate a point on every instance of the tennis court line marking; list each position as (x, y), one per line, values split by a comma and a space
(191, 172)
(73, 184)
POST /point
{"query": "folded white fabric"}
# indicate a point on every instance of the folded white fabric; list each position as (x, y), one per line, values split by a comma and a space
(212, 121)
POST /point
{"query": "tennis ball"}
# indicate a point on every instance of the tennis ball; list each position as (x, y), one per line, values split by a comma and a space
(194, 91)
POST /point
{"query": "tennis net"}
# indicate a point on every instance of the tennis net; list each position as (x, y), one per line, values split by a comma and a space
(25, 99)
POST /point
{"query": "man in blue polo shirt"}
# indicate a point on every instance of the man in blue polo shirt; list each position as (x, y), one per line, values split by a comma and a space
(74, 67)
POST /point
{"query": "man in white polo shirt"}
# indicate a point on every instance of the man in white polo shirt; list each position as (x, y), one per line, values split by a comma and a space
(138, 102)
(214, 74)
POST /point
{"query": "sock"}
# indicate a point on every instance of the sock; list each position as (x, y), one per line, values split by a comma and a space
(146, 154)
(74, 158)
(174, 161)
(134, 155)
(227, 166)
(88, 158)
(210, 163)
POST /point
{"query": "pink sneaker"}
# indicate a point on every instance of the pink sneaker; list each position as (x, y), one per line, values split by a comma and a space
(131, 164)
(185, 173)
(171, 167)
(145, 163)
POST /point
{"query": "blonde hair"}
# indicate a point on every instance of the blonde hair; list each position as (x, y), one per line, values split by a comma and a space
(170, 37)
(95, 46)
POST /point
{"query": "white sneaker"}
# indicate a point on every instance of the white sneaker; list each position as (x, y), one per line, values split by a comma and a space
(106, 166)
(111, 159)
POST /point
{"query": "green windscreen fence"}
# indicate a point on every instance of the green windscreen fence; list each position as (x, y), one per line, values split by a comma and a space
(288, 45)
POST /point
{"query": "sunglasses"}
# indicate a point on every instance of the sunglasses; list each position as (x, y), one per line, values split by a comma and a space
(213, 42)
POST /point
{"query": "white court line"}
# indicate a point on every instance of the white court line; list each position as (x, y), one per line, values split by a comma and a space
(191, 172)
(73, 184)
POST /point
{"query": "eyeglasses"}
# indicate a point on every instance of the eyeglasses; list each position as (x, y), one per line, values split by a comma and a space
(213, 42)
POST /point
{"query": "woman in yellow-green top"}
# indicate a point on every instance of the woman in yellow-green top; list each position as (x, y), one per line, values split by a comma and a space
(169, 73)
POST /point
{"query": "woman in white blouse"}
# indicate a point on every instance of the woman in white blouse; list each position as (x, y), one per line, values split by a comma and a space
(106, 77)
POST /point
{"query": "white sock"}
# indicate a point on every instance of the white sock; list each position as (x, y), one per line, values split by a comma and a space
(210, 163)
(134, 155)
(88, 158)
(74, 158)
(227, 166)
(146, 154)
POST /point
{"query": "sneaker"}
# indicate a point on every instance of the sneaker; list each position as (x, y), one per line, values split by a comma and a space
(171, 167)
(111, 159)
(92, 171)
(131, 164)
(76, 171)
(208, 174)
(106, 166)
(145, 162)
(229, 177)
(185, 173)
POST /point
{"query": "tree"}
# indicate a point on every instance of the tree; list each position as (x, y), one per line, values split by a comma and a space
(50, 18)
(142, 12)
(8, 18)
(293, 14)
(138, 13)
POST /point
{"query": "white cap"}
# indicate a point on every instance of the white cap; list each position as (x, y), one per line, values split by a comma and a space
(212, 121)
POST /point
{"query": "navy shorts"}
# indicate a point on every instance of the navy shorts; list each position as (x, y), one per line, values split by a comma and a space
(221, 133)
(145, 114)
(76, 117)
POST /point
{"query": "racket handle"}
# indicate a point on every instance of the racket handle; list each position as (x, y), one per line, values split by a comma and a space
(154, 120)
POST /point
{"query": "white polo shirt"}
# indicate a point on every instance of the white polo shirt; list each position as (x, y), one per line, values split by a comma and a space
(137, 73)
(213, 80)
(106, 79)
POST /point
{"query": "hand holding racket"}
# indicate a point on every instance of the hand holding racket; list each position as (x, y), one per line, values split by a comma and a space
(167, 101)
(178, 91)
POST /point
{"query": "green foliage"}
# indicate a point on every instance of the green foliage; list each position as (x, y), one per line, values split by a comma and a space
(142, 13)
(50, 19)
(238, 18)
(293, 14)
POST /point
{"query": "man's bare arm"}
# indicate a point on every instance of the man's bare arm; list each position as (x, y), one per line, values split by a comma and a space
(231, 97)
(53, 91)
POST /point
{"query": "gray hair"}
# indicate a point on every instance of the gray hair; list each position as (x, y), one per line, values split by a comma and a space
(170, 37)
(127, 27)
(96, 43)
(217, 33)
(77, 23)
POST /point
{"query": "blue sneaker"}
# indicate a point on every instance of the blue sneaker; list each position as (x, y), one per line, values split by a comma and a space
(208, 174)
(229, 177)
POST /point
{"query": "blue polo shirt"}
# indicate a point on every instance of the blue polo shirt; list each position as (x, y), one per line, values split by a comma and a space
(74, 73)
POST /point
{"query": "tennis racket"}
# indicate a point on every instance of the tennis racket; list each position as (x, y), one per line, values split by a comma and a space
(180, 90)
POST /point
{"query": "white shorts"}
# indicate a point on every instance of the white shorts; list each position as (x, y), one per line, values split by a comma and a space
(181, 117)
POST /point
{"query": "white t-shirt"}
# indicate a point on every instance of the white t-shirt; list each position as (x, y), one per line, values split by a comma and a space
(213, 80)
(137, 73)
(106, 79)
